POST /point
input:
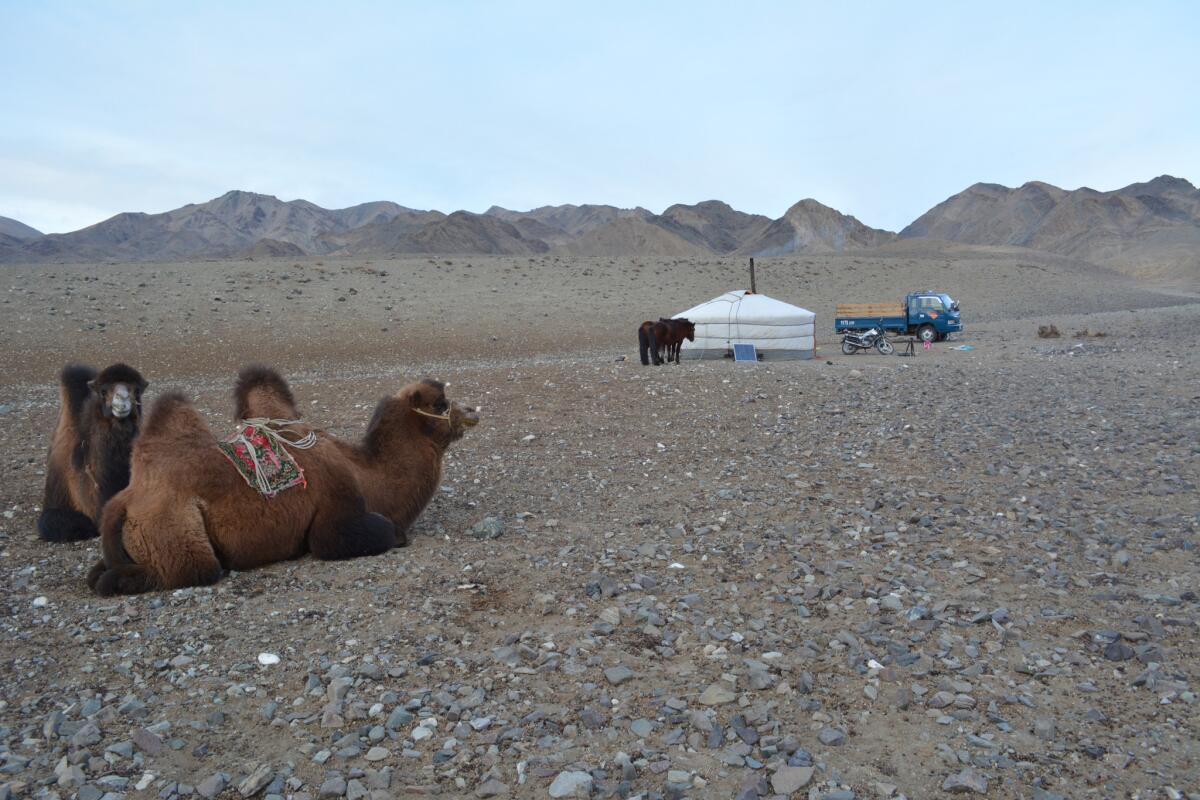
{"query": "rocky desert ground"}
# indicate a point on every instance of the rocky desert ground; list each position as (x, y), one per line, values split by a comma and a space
(965, 573)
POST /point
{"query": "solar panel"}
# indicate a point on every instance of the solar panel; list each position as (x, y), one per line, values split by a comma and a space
(744, 352)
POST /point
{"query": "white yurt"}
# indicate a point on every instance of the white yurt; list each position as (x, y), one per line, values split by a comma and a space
(778, 330)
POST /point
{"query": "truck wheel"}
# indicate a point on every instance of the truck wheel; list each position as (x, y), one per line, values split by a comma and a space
(848, 348)
(884, 347)
(926, 333)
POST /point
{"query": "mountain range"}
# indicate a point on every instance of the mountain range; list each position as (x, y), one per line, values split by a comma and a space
(1150, 229)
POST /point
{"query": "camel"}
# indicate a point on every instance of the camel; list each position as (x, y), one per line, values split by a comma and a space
(88, 463)
(188, 515)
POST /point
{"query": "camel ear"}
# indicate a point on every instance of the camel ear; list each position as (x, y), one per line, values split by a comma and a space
(142, 384)
(94, 386)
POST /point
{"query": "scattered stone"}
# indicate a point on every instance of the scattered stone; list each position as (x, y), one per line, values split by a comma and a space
(256, 781)
(831, 737)
(491, 788)
(333, 787)
(968, 780)
(488, 528)
(213, 785)
(1043, 728)
(147, 742)
(642, 728)
(717, 694)
(618, 675)
(571, 784)
(788, 780)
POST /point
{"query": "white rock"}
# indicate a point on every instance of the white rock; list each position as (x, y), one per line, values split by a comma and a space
(268, 659)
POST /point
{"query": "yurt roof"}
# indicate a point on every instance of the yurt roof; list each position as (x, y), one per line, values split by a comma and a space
(743, 306)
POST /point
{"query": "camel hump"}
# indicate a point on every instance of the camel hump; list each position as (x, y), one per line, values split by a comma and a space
(262, 392)
(171, 414)
(121, 373)
(73, 387)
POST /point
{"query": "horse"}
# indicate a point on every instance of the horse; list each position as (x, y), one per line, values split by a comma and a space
(652, 338)
(680, 328)
(665, 335)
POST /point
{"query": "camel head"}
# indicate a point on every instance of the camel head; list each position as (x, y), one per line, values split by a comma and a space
(442, 417)
(119, 389)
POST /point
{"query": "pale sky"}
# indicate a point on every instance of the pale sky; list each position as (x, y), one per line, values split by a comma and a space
(880, 110)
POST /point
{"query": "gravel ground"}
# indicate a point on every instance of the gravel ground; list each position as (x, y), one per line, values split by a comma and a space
(965, 573)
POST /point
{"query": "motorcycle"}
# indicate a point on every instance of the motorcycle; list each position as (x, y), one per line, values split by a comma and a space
(853, 341)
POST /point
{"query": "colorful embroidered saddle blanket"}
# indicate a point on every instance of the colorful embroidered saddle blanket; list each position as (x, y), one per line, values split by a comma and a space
(259, 452)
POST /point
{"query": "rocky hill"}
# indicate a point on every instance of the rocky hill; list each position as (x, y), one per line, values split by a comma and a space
(381, 236)
(630, 236)
(812, 227)
(224, 226)
(464, 232)
(571, 220)
(1147, 229)
(713, 225)
(18, 230)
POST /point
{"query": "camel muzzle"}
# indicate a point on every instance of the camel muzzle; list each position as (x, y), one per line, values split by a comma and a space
(470, 416)
(121, 404)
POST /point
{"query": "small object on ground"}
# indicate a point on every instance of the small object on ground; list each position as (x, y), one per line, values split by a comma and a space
(965, 347)
(268, 659)
(1048, 332)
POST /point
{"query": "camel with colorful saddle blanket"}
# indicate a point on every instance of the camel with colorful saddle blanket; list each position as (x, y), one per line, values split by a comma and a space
(189, 514)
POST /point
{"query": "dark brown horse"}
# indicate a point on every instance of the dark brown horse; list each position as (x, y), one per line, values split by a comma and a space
(680, 329)
(651, 341)
(666, 335)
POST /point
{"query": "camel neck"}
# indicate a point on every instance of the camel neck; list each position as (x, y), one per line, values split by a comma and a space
(401, 476)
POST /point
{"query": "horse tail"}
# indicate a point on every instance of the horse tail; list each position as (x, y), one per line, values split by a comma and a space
(654, 345)
(644, 345)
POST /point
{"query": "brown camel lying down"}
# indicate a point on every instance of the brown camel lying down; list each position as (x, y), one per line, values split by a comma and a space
(89, 455)
(188, 515)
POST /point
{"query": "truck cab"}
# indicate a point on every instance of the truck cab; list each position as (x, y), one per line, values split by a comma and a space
(932, 316)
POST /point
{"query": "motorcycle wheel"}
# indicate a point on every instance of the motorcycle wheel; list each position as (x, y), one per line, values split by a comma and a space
(884, 347)
(848, 348)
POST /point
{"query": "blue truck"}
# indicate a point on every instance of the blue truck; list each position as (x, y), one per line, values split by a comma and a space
(930, 316)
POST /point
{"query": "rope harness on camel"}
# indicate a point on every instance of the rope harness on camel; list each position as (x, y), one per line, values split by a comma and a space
(260, 453)
(445, 416)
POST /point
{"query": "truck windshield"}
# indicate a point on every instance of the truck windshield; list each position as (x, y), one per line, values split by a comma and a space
(950, 304)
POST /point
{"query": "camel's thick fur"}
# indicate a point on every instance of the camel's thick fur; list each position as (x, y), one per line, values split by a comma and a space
(90, 451)
(188, 515)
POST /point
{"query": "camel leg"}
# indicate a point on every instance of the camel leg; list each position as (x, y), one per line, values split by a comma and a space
(65, 525)
(351, 536)
(95, 572)
(165, 549)
(60, 520)
(125, 579)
